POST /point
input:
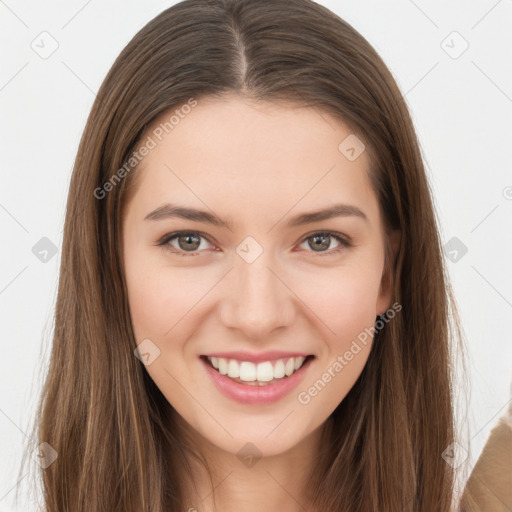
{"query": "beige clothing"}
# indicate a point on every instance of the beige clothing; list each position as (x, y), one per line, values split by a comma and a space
(489, 488)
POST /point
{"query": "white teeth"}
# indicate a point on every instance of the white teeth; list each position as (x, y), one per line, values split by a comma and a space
(279, 369)
(289, 367)
(261, 372)
(223, 366)
(265, 372)
(233, 369)
(247, 371)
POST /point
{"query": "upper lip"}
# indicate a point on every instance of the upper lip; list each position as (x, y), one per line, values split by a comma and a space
(259, 357)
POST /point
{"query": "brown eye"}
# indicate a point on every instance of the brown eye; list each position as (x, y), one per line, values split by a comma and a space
(189, 242)
(320, 243)
(183, 243)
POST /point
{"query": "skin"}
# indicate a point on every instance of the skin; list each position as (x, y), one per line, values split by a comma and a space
(257, 165)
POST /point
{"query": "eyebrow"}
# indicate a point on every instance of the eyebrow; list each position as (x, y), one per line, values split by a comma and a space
(168, 210)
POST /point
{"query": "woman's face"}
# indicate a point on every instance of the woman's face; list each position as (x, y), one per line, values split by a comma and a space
(224, 259)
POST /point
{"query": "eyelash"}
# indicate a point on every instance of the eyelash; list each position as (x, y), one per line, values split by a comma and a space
(164, 242)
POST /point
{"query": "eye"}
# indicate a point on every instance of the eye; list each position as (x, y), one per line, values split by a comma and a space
(189, 243)
(183, 243)
(322, 240)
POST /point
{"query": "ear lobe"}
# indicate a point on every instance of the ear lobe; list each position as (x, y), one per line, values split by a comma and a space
(387, 282)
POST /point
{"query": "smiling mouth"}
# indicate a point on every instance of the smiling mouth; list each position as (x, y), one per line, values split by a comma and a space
(257, 374)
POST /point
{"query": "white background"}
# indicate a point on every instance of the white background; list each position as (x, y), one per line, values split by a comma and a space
(461, 107)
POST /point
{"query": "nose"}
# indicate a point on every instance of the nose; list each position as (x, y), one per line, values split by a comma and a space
(258, 301)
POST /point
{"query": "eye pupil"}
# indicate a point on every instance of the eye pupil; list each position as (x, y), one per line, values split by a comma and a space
(319, 238)
(190, 239)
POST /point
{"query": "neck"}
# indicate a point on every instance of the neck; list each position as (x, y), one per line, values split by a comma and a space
(281, 482)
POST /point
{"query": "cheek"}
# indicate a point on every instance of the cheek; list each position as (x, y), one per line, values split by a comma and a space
(344, 300)
(345, 308)
(159, 298)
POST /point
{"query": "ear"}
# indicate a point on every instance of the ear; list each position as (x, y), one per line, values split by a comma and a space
(385, 297)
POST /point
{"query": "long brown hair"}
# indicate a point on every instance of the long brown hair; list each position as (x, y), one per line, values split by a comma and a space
(101, 412)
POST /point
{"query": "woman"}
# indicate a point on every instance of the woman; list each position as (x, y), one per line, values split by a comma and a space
(252, 294)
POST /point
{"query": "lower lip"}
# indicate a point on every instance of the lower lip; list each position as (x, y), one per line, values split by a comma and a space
(247, 394)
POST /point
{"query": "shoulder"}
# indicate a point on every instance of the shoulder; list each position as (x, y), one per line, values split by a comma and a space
(489, 486)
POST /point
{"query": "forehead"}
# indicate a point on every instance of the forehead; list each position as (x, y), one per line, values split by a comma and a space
(256, 156)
